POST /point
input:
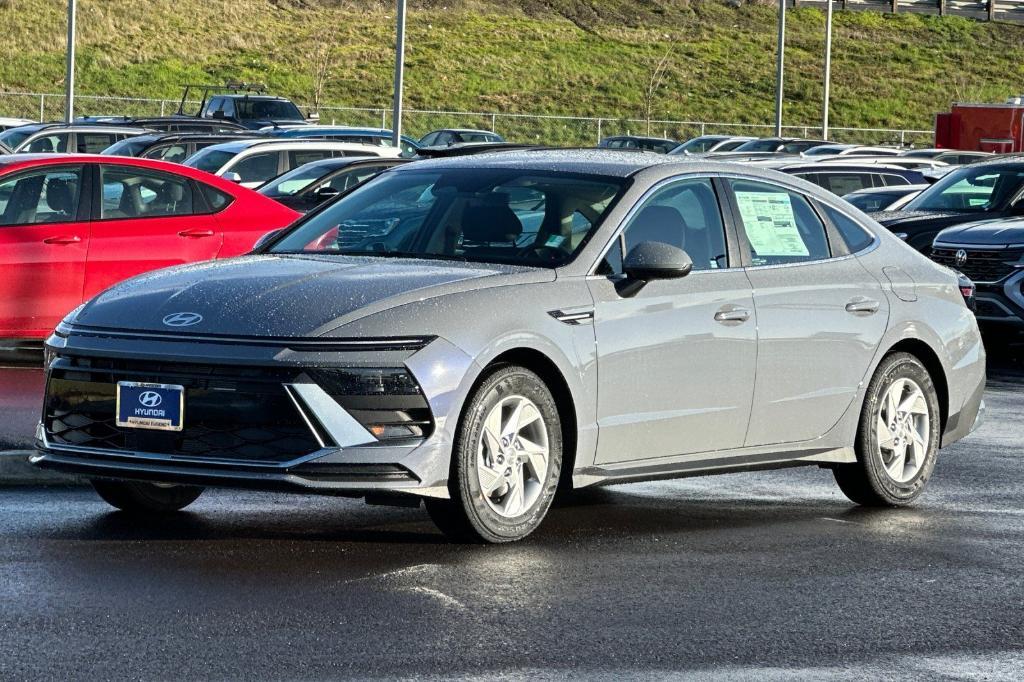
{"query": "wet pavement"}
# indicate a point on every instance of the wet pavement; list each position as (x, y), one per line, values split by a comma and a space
(770, 575)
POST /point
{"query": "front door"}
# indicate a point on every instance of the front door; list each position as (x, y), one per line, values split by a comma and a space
(43, 248)
(820, 316)
(676, 360)
(146, 220)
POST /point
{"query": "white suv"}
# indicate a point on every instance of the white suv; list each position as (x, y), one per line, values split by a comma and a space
(253, 162)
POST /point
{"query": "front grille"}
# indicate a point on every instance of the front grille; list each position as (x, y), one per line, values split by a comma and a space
(241, 414)
(981, 266)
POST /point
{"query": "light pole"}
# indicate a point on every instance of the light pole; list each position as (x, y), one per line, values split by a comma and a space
(69, 69)
(779, 68)
(396, 113)
(828, 69)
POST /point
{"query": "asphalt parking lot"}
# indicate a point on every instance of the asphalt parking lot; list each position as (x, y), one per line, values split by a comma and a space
(746, 576)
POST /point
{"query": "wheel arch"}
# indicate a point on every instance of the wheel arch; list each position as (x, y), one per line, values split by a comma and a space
(543, 366)
(930, 359)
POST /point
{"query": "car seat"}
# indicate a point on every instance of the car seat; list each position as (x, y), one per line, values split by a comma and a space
(60, 198)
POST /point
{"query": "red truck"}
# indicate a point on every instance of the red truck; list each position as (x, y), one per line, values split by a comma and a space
(995, 128)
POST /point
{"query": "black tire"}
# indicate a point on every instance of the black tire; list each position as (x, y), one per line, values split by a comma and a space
(866, 481)
(146, 498)
(467, 517)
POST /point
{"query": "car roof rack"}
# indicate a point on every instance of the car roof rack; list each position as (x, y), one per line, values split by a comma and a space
(207, 90)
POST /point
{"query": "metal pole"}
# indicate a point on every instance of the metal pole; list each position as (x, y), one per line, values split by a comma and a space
(69, 70)
(779, 68)
(396, 122)
(828, 69)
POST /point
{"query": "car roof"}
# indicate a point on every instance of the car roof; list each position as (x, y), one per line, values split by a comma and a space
(345, 161)
(851, 166)
(241, 145)
(105, 127)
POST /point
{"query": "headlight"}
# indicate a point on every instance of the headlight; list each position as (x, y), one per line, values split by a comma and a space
(387, 401)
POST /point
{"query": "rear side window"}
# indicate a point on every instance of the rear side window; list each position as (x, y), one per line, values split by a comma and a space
(780, 225)
(94, 143)
(894, 180)
(303, 156)
(856, 237)
(215, 198)
(49, 144)
(136, 193)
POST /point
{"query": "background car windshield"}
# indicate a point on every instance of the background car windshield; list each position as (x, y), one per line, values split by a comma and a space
(973, 189)
(768, 145)
(697, 145)
(268, 109)
(512, 216)
(209, 160)
(131, 146)
(294, 182)
(12, 137)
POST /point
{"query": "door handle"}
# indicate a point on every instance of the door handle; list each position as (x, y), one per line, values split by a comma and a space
(862, 306)
(195, 234)
(63, 239)
(732, 315)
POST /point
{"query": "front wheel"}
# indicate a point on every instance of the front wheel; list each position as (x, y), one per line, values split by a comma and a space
(146, 498)
(506, 460)
(898, 438)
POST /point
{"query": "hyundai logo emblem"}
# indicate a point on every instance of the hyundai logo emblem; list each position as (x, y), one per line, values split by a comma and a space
(183, 319)
(150, 399)
(960, 258)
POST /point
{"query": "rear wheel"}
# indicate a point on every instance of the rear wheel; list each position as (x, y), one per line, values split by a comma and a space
(146, 498)
(898, 437)
(505, 463)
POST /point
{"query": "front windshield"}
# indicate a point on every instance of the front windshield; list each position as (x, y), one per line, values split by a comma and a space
(267, 109)
(767, 145)
(493, 215)
(12, 137)
(209, 159)
(698, 145)
(972, 190)
(295, 181)
(131, 146)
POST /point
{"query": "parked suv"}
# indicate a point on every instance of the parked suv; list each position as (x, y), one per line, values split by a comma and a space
(253, 162)
(979, 191)
(252, 111)
(61, 138)
(991, 253)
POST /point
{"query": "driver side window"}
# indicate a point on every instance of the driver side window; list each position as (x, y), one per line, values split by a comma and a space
(684, 214)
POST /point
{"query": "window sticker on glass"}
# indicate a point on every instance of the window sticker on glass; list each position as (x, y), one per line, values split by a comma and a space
(770, 224)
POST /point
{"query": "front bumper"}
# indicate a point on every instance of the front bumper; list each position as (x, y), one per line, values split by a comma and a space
(337, 456)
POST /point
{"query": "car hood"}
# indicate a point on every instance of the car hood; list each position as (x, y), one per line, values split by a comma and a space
(893, 218)
(985, 233)
(286, 296)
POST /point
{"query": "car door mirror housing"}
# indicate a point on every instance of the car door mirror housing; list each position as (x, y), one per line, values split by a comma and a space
(656, 260)
(218, 114)
(326, 192)
(265, 238)
(232, 176)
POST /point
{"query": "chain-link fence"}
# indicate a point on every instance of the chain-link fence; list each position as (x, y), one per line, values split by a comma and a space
(528, 128)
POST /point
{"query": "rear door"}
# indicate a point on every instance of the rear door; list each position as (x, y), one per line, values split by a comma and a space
(44, 237)
(143, 220)
(255, 169)
(820, 314)
(94, 142)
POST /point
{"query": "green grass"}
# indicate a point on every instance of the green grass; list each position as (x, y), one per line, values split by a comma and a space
(572, 57)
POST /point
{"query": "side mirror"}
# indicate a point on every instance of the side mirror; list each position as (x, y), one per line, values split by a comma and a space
(218, 114)
(653, 260)
(265, 238)
(232, 176)
(326, 192)
(313, 116)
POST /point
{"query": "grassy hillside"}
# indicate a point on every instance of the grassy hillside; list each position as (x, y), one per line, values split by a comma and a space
(575, 57)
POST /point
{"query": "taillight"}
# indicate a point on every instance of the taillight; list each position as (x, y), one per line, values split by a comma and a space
(967, 290)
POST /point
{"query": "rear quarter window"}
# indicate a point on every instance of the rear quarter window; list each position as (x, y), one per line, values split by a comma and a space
(857, 238)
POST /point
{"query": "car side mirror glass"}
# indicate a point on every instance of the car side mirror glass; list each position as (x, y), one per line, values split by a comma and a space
(232, 176)
(218, 114)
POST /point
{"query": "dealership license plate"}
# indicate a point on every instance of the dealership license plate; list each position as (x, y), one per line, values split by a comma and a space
(150, 406)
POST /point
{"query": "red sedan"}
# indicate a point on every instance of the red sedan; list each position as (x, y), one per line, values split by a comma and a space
(72, 225)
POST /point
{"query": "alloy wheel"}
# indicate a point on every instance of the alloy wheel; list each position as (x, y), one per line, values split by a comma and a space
(902, 427)
(512, 456)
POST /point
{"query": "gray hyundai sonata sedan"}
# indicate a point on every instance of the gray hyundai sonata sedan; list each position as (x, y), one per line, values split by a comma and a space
(482, 332)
